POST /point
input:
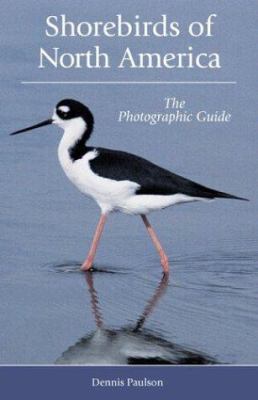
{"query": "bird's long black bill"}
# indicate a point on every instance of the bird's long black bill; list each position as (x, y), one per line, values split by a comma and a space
(43, 123)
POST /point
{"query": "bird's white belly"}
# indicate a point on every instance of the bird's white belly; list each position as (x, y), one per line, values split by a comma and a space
(144, 204)
(109, 194)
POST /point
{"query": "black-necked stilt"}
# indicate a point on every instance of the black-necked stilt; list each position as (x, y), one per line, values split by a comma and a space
(117, 180)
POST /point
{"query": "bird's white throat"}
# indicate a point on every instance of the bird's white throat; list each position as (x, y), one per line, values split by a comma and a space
(73, 131)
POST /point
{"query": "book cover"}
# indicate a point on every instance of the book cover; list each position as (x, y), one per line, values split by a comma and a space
(128, 198)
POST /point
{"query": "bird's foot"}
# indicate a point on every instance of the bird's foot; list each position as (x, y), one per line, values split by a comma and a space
(165, 263)
(87, 265)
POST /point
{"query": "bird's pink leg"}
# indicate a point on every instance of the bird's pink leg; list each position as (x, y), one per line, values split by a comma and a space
(157, 244)
(91, 255)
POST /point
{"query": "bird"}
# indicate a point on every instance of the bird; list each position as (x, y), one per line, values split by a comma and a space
(118, 180)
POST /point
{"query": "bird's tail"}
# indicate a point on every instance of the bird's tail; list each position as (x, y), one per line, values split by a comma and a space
(223, 195)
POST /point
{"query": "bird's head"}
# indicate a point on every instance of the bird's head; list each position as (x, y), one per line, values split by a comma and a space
(68, 114)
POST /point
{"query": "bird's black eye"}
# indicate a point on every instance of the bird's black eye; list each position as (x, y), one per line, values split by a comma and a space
(62, 114)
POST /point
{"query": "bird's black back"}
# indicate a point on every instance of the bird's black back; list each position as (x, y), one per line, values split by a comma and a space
(153, 180)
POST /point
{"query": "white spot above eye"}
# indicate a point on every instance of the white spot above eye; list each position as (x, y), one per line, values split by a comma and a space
(64, 108)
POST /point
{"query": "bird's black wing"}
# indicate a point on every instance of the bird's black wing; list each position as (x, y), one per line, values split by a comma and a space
(154, 180)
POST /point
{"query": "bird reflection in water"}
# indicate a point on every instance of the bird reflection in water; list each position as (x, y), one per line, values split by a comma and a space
(128, 345)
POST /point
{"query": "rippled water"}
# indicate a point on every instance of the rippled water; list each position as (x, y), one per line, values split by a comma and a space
(204, 313)
(129, 344)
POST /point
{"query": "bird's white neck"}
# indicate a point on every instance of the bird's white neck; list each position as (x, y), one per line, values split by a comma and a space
(73, 136)
(74, 131)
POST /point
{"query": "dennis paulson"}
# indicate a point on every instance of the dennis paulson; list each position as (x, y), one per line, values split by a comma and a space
(128, 382)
